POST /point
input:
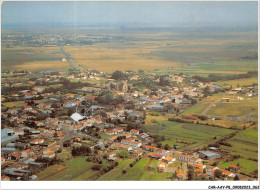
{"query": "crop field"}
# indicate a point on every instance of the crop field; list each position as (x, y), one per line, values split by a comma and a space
(19, 103)
(33, 58)
(246, 166)
(139, 172)
(235, 107)
(245, 143)
(75, 169)
(198, 108)
(240, 82)
(116, 173)
(187, 133)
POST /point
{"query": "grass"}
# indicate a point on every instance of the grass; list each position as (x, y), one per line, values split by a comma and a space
(245, 144)
(104, 136)
(117, 171)
(19, 103)
(202, 105)
(33, 58)
(235, 108)
(240, 82)
(184, 134)
(73, 168)
(246, 166)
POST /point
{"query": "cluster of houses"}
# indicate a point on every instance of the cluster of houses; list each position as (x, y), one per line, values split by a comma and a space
(28, 136)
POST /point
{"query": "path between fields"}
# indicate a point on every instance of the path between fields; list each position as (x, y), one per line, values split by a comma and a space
(204, 112)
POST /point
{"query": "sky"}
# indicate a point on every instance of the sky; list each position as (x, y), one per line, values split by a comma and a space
(133, 13)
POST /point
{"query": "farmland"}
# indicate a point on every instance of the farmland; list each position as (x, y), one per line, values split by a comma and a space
(238, 82)
(142, 170)
(74, 169)
(167, 51)
(184, 134)
(235, 107)
(245, 143)
(33, 58)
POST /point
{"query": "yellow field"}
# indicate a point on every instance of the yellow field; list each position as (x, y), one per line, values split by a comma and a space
(43, 65)
(240, 82)
(108, 60)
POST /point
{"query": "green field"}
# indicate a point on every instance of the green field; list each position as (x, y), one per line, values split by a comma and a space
(187, 133)
(75, 169)
(245, 144)
(202, 105)
(235, 107)
(139, 172)
(246, 166)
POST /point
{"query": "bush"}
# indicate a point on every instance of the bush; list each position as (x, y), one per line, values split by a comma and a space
(154, 121)
(202, 117)
(131, 165)
(155, 114)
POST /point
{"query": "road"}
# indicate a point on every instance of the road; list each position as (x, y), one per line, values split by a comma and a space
(204, 112)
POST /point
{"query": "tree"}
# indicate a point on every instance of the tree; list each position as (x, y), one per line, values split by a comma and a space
(218, 173)
(107, 98)
(236, 178)
(118, 75)
(123, 154)
(191, 174)
(167, 147)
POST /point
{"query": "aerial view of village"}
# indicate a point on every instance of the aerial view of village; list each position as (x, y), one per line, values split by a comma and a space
(129, 102)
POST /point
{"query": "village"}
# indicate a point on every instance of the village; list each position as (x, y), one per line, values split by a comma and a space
(103, 118)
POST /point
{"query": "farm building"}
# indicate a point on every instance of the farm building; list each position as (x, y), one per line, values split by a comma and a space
(208, 155)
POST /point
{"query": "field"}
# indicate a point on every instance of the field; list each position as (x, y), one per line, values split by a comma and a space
(171, 50)
(214, 107)
(185, 134)
(240, 82)
(245, 143)
(33, 58)
(19, 103)
(74, 169)
(198, 108)
(247, 166)
(139, 172)
(235, 107)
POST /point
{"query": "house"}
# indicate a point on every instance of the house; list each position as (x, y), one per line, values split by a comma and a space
(149, 148)
(156, 156)
(196, 165)
(227, 173)
(138, 153)
(110, 132)
(197, 172)
(119, 129)
(134, 132)
(111, 154)
(2, 159)
(37, 141)
(15, 156)
(161, 166)
(131, 143)
(179, 174)
(127, 135)
(19, 131)
(233, 168)
(26, 153)
(51, 149)
(208, 155)
(50, 154)
(225, 99)
(169, 159)
(5, 178)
